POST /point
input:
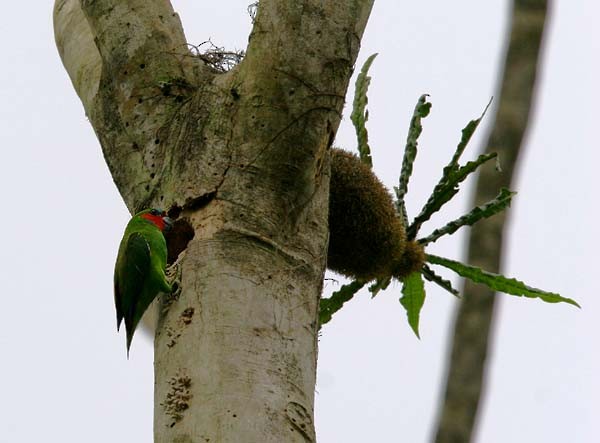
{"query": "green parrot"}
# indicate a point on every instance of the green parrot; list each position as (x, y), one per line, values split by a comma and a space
(140, 267)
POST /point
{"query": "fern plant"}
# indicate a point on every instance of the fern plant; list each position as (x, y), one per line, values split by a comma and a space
(413, 285)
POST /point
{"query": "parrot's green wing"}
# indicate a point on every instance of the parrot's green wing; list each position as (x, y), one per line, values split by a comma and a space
(132, 269)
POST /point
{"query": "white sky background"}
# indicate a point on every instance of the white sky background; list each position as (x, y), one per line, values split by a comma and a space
(64, 375)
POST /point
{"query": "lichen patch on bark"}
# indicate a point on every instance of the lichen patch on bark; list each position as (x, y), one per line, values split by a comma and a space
(178, 398)
(174, 333)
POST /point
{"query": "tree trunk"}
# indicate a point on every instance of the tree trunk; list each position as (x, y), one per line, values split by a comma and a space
(242, 159)
(473, 323)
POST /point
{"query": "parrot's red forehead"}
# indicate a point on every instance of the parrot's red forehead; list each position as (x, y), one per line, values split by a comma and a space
(156, 219)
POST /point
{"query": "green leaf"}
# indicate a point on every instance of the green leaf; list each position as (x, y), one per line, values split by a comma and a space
(410, 152)
(401, 209)
(380, 284)
(447, 187)
(464, 171)
(444, 191)
(438, 280)
(500, 203)
(413, 297)
(329, 306)
(467, 133)
(499, 282)
(359, 114)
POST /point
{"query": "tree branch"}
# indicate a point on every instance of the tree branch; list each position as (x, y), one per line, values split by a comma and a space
(291, 87)
(242, 157)
(473, 323)
(131, 68)
(77, 50)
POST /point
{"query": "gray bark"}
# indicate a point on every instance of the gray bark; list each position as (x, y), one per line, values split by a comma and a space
(474, 319)
(243, 158)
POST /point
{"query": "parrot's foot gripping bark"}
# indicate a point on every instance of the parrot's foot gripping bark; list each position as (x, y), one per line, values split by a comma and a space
(173, 274)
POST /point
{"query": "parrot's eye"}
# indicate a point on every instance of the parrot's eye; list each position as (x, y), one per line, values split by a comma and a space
(155, 212)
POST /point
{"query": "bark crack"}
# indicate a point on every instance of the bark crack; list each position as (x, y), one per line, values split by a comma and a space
(301, 419)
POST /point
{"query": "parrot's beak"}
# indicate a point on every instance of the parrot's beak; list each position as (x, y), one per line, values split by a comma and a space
(168, 223)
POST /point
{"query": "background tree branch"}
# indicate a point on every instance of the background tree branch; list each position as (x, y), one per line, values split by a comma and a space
(474, 319)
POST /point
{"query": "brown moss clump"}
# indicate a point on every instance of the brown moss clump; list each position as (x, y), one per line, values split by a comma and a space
(366, 236)
(412, 260)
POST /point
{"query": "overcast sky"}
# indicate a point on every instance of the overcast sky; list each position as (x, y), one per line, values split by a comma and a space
(64, 375)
